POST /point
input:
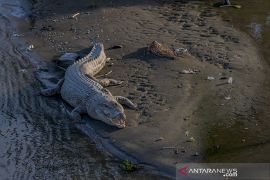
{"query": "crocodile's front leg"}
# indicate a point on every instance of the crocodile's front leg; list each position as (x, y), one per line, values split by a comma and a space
(53, 91)
(75, 114)
(125, 101)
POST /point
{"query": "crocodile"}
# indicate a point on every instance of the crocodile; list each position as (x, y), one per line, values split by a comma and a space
(161, 50)
(87, 94)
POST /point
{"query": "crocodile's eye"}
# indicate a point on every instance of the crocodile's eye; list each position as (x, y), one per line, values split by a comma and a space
(106, 113)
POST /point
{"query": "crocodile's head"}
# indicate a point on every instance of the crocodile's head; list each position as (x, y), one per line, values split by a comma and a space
(108, 110)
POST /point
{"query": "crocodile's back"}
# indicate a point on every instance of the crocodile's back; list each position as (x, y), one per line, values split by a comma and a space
(77, 86)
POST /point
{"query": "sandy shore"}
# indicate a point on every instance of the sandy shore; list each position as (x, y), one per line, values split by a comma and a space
(181, 111)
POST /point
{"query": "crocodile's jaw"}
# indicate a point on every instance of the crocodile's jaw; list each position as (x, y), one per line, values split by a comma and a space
(119, 122)
(106, 109)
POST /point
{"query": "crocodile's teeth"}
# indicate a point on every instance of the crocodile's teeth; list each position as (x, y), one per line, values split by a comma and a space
(120, 123)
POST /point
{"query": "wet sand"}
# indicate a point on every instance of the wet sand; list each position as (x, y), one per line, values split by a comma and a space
(183, 111)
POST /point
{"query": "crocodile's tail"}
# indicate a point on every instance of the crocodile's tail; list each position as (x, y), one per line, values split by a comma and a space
(93, 62)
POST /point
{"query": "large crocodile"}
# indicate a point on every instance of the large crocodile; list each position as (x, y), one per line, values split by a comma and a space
(86, 94)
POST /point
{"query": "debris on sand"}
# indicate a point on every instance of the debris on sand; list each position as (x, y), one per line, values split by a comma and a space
(210, 78)
(230, 80)
(161, 50)
(181, 51)
(75, 15)
(191, 139)
(30, 47)
(159, 139)
(189, 71)
(228, 98)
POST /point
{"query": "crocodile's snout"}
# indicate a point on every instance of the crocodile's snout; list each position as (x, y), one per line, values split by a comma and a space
(119, 120)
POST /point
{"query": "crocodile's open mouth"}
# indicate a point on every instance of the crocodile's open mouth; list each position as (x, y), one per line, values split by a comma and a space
(121, 123)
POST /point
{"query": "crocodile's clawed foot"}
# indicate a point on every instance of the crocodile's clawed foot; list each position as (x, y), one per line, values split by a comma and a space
(109, 82)
(126, 102)
(75, 114)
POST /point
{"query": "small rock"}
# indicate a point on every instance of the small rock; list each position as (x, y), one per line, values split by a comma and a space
(196, 154)
(191, 139)
(187, 133)
(74, 15)
(181, 50)
(189, 71)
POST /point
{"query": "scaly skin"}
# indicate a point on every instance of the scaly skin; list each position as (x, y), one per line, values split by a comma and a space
(160, 50)
(86, 94)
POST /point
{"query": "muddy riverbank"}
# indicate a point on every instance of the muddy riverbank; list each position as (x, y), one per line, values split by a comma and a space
(181, 117)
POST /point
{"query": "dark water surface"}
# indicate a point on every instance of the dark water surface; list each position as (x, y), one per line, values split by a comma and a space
(253, 18)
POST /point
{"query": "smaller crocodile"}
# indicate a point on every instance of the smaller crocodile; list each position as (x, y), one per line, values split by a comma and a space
(87, 94)
(161, 50)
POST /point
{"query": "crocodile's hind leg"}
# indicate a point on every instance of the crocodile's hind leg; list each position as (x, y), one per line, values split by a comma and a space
(53, 91)
(125, 101)
(106, 81)
(109, 82)
(75, 114)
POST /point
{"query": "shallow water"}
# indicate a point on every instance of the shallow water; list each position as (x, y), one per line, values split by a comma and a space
(253, 18)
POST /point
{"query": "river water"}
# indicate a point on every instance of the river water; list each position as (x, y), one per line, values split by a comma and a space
(254, 19)
(36, 139)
